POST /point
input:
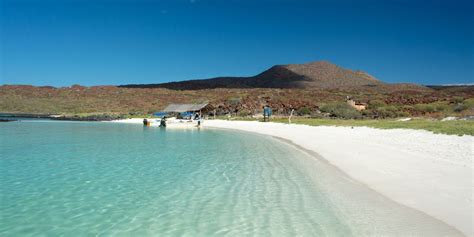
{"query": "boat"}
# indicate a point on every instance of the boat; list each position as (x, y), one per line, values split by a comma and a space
(179, 116)
(180, 123)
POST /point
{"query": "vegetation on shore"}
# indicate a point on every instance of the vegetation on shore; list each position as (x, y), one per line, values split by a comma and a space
(313, 107)
(454, 127)
(239, 102)
(450, 127)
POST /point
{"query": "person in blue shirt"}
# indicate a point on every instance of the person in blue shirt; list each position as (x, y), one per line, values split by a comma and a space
(267, 112)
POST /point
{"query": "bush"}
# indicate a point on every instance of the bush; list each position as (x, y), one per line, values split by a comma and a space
(459, 108)
(244, 113)
(430, 108)
(403, 114)
(366, 112)
(374, 104)
(341, 110)
(458, 99)
(440, 107)
(391, 108)
(469, 103)
(304, 111)
(386, 112)
(426, 108)
(235, 100)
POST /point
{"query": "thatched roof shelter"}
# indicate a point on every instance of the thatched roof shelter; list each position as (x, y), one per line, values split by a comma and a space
(180, 108)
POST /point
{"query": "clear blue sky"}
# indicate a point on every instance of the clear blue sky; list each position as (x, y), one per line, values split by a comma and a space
(101, 42)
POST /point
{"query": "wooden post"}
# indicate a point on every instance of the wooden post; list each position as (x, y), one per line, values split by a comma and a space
(291, 114)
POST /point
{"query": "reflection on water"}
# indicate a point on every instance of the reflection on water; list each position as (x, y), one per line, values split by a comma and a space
(83, 178)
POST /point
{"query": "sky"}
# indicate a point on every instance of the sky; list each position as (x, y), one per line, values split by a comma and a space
(114, 42)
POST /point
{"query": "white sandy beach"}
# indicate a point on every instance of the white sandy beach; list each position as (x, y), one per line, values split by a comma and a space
(432, 173)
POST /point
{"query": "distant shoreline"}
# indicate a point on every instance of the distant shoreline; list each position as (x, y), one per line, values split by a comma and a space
(25, 115)
(97, 117)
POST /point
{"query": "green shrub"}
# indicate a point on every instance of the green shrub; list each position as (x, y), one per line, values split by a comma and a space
(459, 108)
(403, 114)
(426, 108)
(458, 99)
(440, 107)
(244, 113)
(390, 111)
(386, 112)
(430, 108)
(234, 100)
(367, 112)
(391, 108)
(304, 111)
(374, 104)
(341, 110)
(469, 103)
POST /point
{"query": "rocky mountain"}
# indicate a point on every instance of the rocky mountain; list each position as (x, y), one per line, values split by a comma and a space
(320, 74)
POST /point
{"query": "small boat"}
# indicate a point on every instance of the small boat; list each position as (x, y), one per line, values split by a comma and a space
(187, 116)
(180, 123)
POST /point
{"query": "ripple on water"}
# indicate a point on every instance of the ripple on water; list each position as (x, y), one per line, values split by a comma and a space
(114, 179)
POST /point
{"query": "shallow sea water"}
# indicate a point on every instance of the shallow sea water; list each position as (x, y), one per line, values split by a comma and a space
(79, 178)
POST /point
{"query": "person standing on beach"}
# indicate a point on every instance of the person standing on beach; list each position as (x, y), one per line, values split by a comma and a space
(266, 113)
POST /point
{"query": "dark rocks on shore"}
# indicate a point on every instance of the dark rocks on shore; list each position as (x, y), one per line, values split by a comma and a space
(24, 115)
(7, 120)
(9, 117)
(101, 117)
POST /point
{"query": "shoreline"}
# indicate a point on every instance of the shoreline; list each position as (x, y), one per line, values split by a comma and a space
(317, 156)
(72, 117)
(431, 173)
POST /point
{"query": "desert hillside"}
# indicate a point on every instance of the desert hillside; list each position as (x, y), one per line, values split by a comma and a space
(321, 75)
(76, 99)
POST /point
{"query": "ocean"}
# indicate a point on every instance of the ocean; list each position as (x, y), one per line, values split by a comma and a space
(107, 179)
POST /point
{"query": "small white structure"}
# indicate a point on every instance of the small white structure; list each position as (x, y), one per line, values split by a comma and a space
(356, 105)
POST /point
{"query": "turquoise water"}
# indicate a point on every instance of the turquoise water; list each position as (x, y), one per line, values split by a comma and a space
(76, 179)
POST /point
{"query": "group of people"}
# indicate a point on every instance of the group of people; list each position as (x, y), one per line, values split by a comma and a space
(195, 116)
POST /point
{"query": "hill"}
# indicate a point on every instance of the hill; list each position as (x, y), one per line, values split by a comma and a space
(320, 74)
(310, 89)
